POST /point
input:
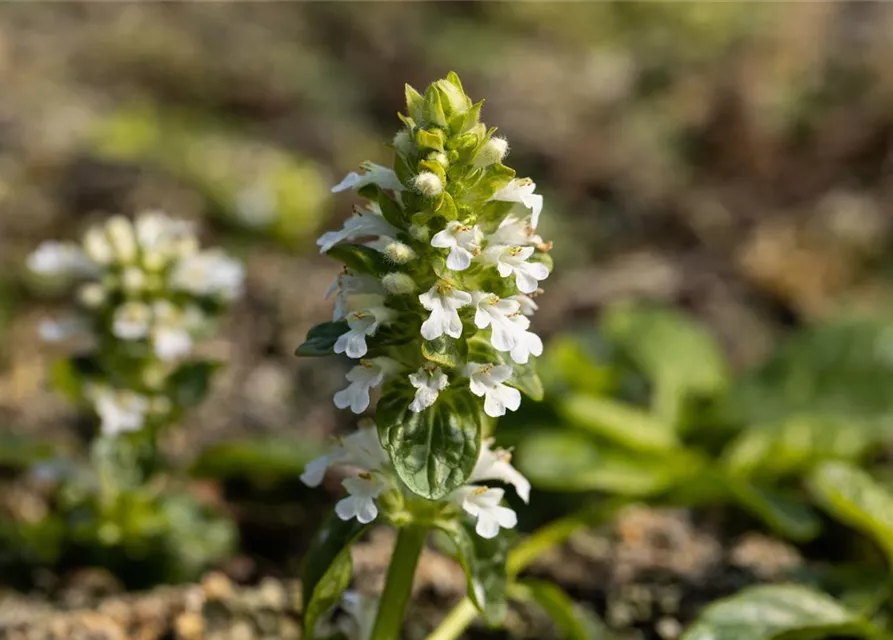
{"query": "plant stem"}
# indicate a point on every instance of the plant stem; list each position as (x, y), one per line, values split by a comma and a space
(398, 586)
(523, 554)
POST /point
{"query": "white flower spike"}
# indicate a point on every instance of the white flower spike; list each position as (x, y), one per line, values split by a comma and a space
(428, 383)
(464, 243)
(443, 301)
(486, 380)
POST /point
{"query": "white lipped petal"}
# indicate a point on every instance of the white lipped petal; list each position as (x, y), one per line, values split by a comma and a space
(486, 380)
(60, 259)
(521, 190)
(428, 383)
(362, 324)
(364, 377)
(493, 312)
(483, 504)
(315, 470)
(131, 321)
(464, 243)
(348, 284)
(209, 273)
(527, 305)
(120, 411)
(527, 343)
(363, 449)
(360, 502)
(511, 260)
(362, 224)
(375, 174)
(171, 342)
(495, 464)
(515, 231)
(443, 301)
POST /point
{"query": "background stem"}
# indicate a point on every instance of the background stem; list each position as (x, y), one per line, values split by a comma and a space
(398, 586)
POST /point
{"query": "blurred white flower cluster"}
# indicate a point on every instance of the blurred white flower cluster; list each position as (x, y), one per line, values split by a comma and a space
(145, 292)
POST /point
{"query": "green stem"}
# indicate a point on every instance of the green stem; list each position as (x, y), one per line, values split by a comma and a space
(398, 586)
(456, 621)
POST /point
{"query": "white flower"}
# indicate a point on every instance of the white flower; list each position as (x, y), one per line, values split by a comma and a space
(59, 330)
(119, 231)
(209, 273)
(363, 449)
(360, 502)
(347, 284)
(515, 231)
(428, 383)
(443, 301)
(428, 184)
(162, 238)
(495, 464)
(493, 151)
(54, 259)
(375, 174)
(464, 243)
(361, 611)
(513, 260)
(482, 503)
(362, 323)
(494, 312)
(92, 295)
(367, 375)
(526, 342)
(486, 380)
(527, 305)
(120, 411)
(522, 192)
(361, 224)
(132, 321)
(97, 246)
(315, 470)
(171, 343)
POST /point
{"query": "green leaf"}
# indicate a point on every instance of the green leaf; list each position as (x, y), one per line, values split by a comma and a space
(445, 351)
(471, 118)
(434, 451)
(788, 517)
(68, 375)
(446, 207)
(434, 111)
(484, 562)
(321, 339)
(19, 452)
(495, 177)
(768, 612)
(452, 97)
(188, 386)
(253, 458)
(327, 568)
(795, 444)
(556, 603)
(570, 461)
(429, 139)
(415, 104)
(390, 209)
(526, 380)
(856, 499)
(680, 356)
(361, 259)
(624, 424)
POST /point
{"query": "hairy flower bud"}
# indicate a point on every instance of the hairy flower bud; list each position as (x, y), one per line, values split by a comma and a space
(398, 284)
(399, 253)
(428, 184)
(493, 151)
(403, 142)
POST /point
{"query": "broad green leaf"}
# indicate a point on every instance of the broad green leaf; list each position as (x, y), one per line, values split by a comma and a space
(680, 356)
(526, 380)
(841, 370)
(444, 351)
(327, 568)
(430, 139)
(624, 424)
(789, 517)
(321, 339)
(556, 603)
(253, 458)
(795, 444)
(570, 461)
(855, 498)
(770, 612)
(484, 562)
(434, 451)
(188, 386)
(361, 259)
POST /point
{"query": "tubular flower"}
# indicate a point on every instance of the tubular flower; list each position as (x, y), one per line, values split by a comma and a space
(440, 266)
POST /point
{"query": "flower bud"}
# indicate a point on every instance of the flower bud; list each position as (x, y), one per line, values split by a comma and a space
(398, 284)
(91, 295)
(123, 240)
(133, 279)
(399, 253)
(403, 143)
(493, 151)
(421, 233)
(440, 158)
(97, 247)
(428, 184)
